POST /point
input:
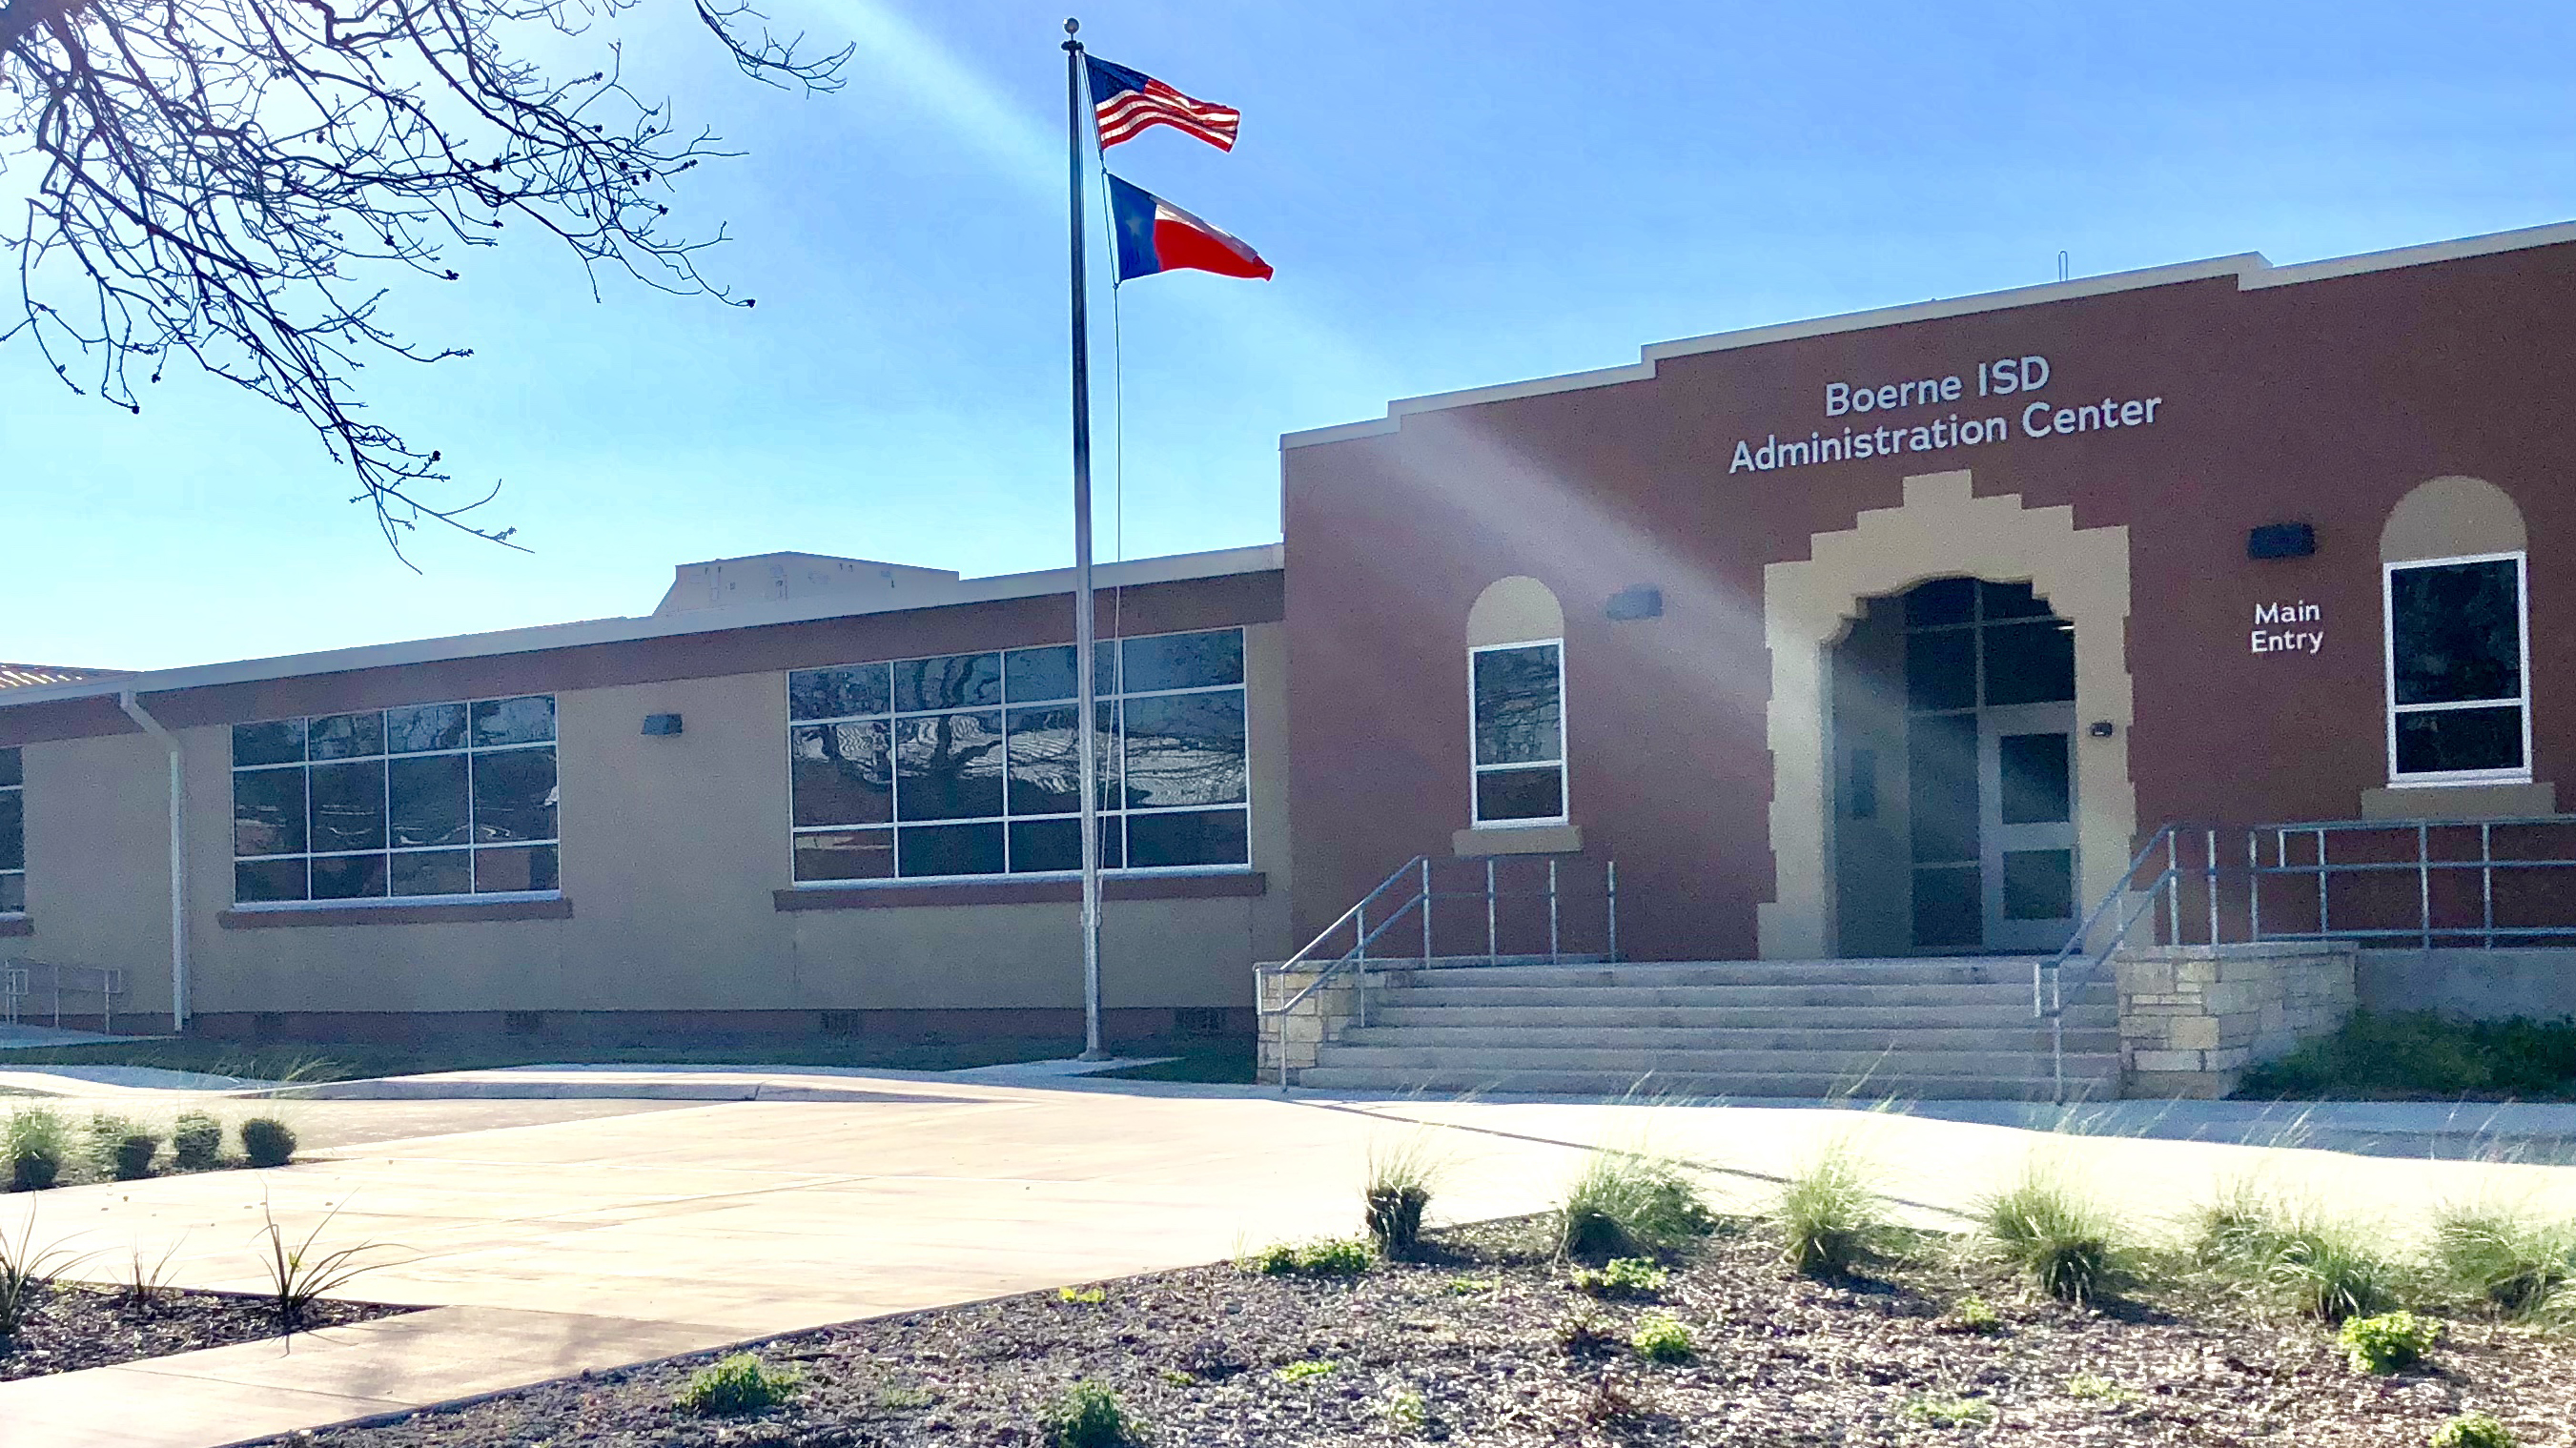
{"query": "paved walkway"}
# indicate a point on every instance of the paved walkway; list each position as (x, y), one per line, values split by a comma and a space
(553, 1247)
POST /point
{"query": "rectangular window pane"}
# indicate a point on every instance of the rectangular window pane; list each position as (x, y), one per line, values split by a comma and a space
(12, 769)
(2437, 741)
(268, 816)
(1206, 837)
(1941, 670)
(2009, 600)
(2029, 663)
(256, 881)
(347, 807)
(949, 766)
(837, 693)
(13, 830)
(418, 728)
(1043, 845)
(841, 774)
(514, 797)
(1520, 794)
(955, 681)
(345, 736)
(1941, 786)
(845, 855)
(1185, 749)
(2038, 784)
(428, 800)
(1947, 913)
(1184, 661)
(931, 850)
(1035, 675)
(529, 719)
(13, 894)
(2457, 632)
(1518, 719)
(1942, 601)
(1044, 777)
(522, 867)
(2039, 884)
(433, 872)
(348, 877)
(279, 741)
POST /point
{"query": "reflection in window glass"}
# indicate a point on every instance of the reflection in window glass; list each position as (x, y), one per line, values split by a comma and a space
(1517, 702)
(2458, 695)
(13, 833)
(421, 800)
(970, 789)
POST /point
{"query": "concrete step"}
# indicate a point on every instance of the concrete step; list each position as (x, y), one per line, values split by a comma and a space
(1399, 1009)
(2092, 1083)
(1440, 1031)
(1974, 970)
(1758, 1063)
(1441, 993)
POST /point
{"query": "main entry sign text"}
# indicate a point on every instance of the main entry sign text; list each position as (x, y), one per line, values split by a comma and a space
(2018, 378)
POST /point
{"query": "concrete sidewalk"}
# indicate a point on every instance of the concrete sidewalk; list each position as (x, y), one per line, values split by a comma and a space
(646, 1233)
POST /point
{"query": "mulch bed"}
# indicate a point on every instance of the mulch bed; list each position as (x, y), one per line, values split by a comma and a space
(68, 1328)
(1197, 1356)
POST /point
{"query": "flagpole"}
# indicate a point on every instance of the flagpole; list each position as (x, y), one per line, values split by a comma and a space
(1086, 726)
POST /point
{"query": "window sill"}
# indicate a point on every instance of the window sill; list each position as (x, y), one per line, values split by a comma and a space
(2531, 800)
(1518, 840)
(19, 924)
(897, 894)
(394, 912)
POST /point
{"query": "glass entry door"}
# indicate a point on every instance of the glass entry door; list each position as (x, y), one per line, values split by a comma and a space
(2026, 765)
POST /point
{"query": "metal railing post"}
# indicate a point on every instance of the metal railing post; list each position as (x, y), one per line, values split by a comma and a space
(1493, 950)
(1361, 924)
(1551, 912)
(2424, 883)
(2173, 887)
(2209, 861)
(2486, 881)
(1426, 912)
(1611, 870)
(2325, 920)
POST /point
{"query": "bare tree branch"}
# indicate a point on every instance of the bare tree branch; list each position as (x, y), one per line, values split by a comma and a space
(217, 179)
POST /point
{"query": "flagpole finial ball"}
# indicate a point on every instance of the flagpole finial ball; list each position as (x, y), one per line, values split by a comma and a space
(1071, 25)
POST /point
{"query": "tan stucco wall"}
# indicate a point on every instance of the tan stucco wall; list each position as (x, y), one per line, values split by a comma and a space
(1942, 530)
(671, 850)
(2452, 517)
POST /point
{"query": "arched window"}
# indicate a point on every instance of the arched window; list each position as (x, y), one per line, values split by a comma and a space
(2456, 603)
(1516, 706)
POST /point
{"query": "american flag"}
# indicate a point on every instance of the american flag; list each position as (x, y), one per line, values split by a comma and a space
(1126, 103)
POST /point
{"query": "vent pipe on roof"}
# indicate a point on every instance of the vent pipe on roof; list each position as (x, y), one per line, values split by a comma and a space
(178, 857)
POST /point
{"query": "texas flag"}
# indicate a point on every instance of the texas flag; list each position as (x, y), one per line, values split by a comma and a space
(1156, 236)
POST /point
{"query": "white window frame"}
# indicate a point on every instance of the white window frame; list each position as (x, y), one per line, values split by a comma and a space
(1116, 697)
(471, 849)
(19, 789)
(2388, 669)
(1476, 772)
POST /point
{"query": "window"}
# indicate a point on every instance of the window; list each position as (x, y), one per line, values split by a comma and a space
(424, 800)
(13, 834)
(1518, 700)
(2459, 671)
(967, 764)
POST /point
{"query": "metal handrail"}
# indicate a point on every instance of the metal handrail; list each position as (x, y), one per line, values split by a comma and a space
(17, 984)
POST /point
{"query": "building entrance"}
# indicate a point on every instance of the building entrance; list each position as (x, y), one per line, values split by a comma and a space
(1955, 724)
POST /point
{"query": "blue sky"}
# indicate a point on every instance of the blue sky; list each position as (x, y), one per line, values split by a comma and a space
(1453, 195)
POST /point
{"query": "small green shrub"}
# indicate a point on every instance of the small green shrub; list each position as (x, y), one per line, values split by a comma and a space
(1661, 1337)
(1829, 1219)
(1086, 1415)
(1406, 1412)
(2511, 1258)
(132, 1160)
(2417, 1054)
(35, 1142)
(1973, 1314)
(1949, 1410)
(1308, 1371)
(2325, 1265)
(100, 1137)
(902, 1395)
(1473, 1286)
(1627, 1203)
(1401, 1176)
(1583, 1335)
(2094, 1388)
(1331, 1257)
(2065, 1243)
(739, 1384)
(1623, 1277)
(1082, 1296)
(267, 1141)
(196, 1141)
(2388, 1343)
(2472, 1430)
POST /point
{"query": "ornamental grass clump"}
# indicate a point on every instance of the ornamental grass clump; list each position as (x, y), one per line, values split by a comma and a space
(1086, 1415)
(35, 1143)
(196, 1141)
(2065, 1243)
(739, 1384)
(1829, 1218)
(2323, 1265)
(24, 1267)
(2389, 1343)
(119, 1148)
(2510, 1258)
(267, 1141)
(1630, 1204)
(1401, 1176)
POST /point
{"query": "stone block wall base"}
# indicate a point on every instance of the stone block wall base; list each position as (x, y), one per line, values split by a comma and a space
(2194, 1019)
(2179, 1085)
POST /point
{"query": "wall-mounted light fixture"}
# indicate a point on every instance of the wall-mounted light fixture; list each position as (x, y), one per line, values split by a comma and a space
(661, 723)
(2281, 540)
(1643, 600)
(2101, 729)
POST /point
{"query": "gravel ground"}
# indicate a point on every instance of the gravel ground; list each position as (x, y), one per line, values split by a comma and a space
(68, 1328)
(1479, 1336)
